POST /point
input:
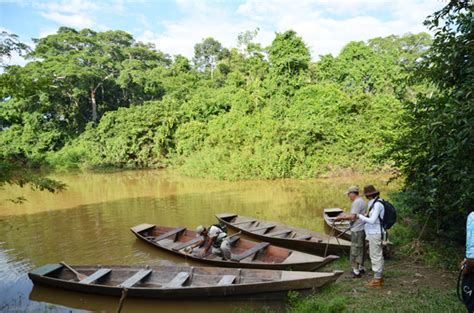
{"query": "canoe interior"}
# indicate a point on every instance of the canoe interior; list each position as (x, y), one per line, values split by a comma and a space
(340, 228)
(161, 276)
(333, 212)
(269, 255)
(277, 230)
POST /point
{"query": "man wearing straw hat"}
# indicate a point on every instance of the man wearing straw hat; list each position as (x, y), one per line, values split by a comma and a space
(357, 232)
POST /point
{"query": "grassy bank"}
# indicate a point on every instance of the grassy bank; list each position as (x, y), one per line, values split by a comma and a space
(420, 276)
(409, 287)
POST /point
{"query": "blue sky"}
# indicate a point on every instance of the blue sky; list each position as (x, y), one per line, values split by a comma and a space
(175, 26)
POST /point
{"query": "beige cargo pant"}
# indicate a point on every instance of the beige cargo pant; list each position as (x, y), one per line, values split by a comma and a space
(376, 254)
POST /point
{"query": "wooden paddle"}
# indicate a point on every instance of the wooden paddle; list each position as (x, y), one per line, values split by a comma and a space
(78, 275)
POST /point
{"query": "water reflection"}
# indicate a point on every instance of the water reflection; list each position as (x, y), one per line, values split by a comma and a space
(109, 304)
(90, 222)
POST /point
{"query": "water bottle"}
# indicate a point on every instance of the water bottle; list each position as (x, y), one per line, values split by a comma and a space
(470, 236)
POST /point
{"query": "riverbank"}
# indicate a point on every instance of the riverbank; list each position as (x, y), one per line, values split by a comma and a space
(409, 286)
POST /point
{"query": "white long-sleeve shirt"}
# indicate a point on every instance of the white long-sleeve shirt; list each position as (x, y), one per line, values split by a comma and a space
(372, 223)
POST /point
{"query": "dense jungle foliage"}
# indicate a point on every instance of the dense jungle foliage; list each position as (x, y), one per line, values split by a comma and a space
(97, 100)
(101, 100)
(435, 151)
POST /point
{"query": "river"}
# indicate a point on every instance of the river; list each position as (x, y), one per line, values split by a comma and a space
(90, 222)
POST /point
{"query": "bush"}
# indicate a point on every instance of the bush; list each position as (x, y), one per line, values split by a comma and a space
(134, 137)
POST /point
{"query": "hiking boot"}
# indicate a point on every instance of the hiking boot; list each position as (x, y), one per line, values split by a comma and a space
(375, 282)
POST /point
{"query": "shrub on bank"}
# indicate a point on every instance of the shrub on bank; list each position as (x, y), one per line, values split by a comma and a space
(135, 137)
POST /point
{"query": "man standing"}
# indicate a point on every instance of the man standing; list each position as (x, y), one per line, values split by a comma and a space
(357, 233)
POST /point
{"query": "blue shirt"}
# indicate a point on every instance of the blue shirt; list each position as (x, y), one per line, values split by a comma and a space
(470, 236)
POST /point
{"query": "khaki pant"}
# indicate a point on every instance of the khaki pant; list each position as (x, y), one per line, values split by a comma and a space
(376, 254)
(357, 248)
(223, 250)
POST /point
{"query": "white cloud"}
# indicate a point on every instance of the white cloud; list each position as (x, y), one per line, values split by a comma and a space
(326, 26)
(76, 13)
(201, 20)
(71, 7)
(74, 20)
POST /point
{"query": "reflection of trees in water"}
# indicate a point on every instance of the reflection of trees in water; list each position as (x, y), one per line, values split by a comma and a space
(14, 296)
(96, 303)
(12, 265)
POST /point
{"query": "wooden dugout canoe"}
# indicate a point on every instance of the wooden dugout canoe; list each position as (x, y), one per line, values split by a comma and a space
(341, 229)
(245, 253)
(286, 236)
(175, 281)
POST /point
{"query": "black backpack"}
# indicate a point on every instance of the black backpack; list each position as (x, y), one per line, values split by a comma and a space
(390, 215)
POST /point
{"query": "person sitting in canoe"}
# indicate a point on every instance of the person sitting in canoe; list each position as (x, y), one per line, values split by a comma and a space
(215, 238)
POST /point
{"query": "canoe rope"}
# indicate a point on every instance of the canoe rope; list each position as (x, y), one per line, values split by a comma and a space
(331, 234)
(122, 298)
(341, 234)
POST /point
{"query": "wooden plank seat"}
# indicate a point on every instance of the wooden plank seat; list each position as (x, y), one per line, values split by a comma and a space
(101, 272)
(138, 276)
(187, 243)
(251, 251)
(264, 228)
(233, 239)
(226, 280)
(178, 280)
(304, 237)
(46, 269)
(166, 235)
(244, 222)
(285, 232)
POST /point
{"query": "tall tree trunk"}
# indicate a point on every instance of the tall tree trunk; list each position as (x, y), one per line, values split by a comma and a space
(94, 105)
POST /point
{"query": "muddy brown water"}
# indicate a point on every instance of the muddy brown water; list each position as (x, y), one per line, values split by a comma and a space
(90, 222)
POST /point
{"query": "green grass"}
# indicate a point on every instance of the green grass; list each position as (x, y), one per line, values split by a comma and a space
(405, 290)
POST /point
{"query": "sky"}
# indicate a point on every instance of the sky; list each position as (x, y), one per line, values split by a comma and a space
(175, 26)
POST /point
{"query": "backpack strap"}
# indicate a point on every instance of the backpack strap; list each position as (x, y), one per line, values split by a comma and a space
(377, 199)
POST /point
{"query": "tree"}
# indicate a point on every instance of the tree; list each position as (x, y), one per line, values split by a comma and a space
(246, 45)
(289, 61)
(13, 167)
(382, 65)
(435, 154)
(79, 75)
(9, 44)
(206, 54)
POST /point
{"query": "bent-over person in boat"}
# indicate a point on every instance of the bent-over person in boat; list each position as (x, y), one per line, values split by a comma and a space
(214, 238)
